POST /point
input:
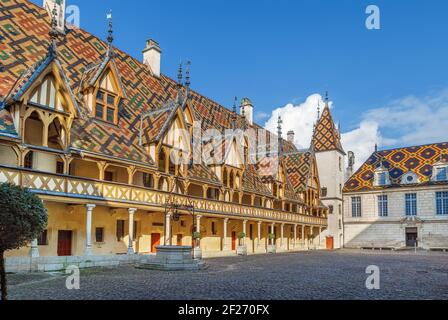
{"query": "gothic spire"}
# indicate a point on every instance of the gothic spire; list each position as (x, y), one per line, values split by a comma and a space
(187, 75)
(279, 134)
(180, 75)
(110, 37)
(54, 30)
(234, 113)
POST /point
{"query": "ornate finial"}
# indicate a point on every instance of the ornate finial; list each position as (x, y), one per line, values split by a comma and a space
(376, 147)
(187, 74)
(279, 128)
(110, 37)
(234, 113)
(318, 110)
(326, 98)
(54, 29)
(180, 75)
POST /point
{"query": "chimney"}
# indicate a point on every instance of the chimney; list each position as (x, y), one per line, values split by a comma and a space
(247, 109)
(49, 5)
(291, 136)
(151, 56)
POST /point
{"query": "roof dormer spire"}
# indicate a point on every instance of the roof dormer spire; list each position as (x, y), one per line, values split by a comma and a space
(110, 36)
(54, 30)
(187, 75)
(279, 134)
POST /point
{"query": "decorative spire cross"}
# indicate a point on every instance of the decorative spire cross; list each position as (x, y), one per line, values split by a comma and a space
(110, 37)
(54, 29)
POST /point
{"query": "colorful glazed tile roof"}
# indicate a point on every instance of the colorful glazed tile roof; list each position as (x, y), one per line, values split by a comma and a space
(419, 160)
(24, 43)
(6, 124)
(326, 136)
(253, 183)
(298, 168)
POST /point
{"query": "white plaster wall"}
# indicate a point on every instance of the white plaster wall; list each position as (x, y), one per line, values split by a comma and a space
(331, 176)
(370, 230)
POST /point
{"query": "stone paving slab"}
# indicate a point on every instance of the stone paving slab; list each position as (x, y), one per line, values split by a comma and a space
(294, 276)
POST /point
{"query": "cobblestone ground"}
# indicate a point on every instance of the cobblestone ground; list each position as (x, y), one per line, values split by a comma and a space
(311, 275)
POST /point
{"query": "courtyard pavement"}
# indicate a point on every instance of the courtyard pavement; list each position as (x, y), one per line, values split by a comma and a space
(292, 276)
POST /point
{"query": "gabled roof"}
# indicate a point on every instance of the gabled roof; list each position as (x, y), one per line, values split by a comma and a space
(24, 35)
(326, 136)
(253, 183)
(398, 162)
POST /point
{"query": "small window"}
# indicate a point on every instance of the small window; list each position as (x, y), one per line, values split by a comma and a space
(324, 192)
(411, 204)
(441, 174)
(340, 224)
(110, 115)
(340, 209)
(331, 209)
(110, 100)
(442, 203)
(382, 206)
(59, 167)
(382, 178)
(99, 235)
(99, 111)
(43, 239)
(356, 207)
(120, 230)
(28, 161)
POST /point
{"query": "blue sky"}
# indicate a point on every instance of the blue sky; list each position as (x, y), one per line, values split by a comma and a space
(280, 52)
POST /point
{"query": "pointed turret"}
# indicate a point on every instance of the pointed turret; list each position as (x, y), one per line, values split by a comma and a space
(326, 136)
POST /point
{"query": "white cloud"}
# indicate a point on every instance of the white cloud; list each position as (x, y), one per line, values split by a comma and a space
(404, 122)
(300, 118)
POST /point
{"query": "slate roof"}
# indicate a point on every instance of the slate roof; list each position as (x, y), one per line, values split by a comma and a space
(418, 159)
(24, 43)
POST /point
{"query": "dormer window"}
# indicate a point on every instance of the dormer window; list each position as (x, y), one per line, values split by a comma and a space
(441, 173)
(106, 106)
(381, 177)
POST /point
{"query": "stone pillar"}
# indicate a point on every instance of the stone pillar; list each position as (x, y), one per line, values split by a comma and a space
(88, 249)
(303, 236)
(295, 236)
(198, 223)
(131, 231)
(273, 232)
(320, 237)
(244, 231)
(224, 236)
(259, 234)
(282, 240)
(34, 252)
(167, 240)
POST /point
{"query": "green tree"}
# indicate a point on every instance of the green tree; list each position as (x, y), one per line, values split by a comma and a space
(23, 218)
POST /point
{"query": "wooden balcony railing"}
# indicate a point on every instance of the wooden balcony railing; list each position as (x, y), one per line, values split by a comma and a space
(83, 188)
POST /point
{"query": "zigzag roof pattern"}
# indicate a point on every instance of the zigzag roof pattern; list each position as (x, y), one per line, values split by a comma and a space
(398, 162)
(326, 136)
(24, 43)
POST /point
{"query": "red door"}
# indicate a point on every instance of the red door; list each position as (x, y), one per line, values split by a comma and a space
(330, 243)
(233, 240)
(64, 243)
(155, 241)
